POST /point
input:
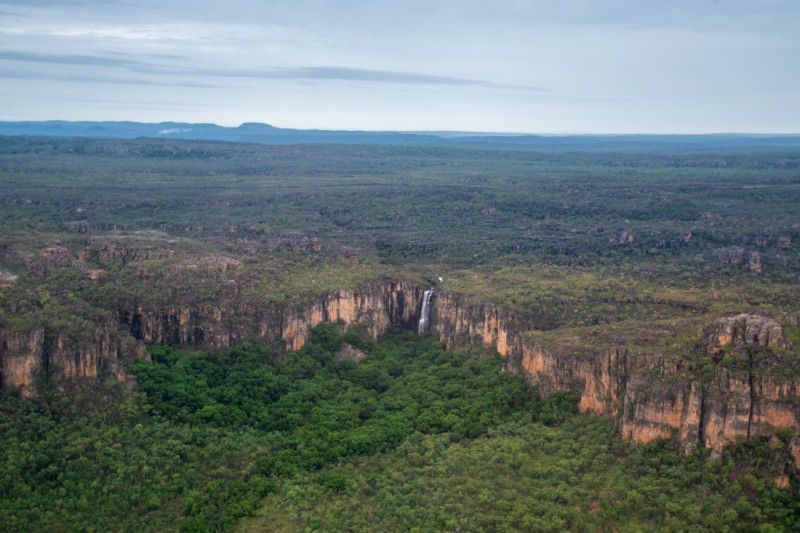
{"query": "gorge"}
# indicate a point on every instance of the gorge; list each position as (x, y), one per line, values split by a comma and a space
(722, 391)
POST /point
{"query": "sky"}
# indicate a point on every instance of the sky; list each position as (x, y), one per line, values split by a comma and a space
(533, 66)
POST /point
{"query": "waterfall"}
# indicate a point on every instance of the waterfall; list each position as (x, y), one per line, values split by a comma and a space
(425, 315)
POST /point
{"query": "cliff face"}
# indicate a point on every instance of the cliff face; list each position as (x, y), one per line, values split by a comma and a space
(105, 351)
(724, 392)
(21, 358)
(55, 357)
(39, 357)
(374, 308)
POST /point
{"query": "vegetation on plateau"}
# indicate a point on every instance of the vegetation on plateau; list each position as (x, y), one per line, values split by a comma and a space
(564, 240)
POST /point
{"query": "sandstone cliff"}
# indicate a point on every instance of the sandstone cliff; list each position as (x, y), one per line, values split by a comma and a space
(41, 357)
(728, 388)
(21, 358)
(730, 385)
(374, 308)
(53, 357)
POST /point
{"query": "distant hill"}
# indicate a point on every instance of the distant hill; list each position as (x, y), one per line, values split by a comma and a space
(266, 134)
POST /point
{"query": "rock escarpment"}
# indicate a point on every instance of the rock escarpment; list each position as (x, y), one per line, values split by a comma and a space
(733, 384)
(29, 360)
(374, 308)
(22, 361)
(41, 357)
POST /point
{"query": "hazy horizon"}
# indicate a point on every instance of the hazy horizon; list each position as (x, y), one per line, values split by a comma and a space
(234, 125)
(578, 67)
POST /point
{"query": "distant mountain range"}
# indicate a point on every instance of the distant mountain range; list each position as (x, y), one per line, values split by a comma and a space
(266, 134)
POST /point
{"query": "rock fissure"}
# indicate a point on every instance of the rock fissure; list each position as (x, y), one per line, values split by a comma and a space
(752, 391)
(48, 343)
(703, 416)
(623, 390)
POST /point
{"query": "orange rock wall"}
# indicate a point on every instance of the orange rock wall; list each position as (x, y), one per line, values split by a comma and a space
(58, 358)
(650, 396)
(30, 359)
(373, 307)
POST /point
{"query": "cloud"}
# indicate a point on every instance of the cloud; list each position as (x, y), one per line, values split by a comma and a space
(297, 73)
(99, 79)
(59, 3)
(69, 59)
(357, 74)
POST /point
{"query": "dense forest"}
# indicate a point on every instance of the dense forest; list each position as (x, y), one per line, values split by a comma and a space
(211, 336)
(412, 437)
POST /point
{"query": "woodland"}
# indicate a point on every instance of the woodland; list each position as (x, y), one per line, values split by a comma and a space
(202, 423)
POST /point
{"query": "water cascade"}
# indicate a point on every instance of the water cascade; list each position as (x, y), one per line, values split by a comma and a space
(425, 314)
